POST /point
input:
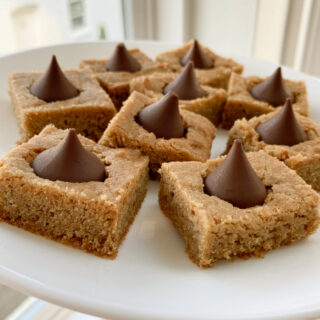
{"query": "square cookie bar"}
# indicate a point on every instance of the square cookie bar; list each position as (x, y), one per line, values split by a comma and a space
(241, 104)
(218, 76)
(209, 106)
(89, 112)
(304, 157)
(92, 216)
(116, 84)
(214, 229)
(124, 131)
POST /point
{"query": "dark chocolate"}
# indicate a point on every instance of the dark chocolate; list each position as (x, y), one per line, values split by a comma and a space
(69, 161)
(163, 118)
(53, 85)
(186, 85)
(197, 56)
(235, 181)
(283, 128)
(273, 90)
(122, 60)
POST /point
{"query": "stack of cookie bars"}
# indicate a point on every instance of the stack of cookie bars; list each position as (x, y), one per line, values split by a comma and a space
(109, 98)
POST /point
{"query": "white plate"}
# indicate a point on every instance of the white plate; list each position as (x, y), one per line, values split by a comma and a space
(152, 277)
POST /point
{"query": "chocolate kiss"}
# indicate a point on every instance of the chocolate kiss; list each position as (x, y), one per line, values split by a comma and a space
(69, 161)
(235, 181)
(273, 90)
(283, 128)
(163, 118)
(53, 84)
(122, 60)
(197, 56)
(186, 86)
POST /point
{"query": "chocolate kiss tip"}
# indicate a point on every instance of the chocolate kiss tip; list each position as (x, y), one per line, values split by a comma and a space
(283, 128)
(163, 118)
(186, 85)
(273, 90)
(53, 85)
(122, 60)
(197, 56)
(69, 161)
(235, 181)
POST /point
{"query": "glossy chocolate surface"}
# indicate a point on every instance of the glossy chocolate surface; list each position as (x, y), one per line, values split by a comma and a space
(186, 85)
(53, 85)
(197, 56)
(235, 181)
(122, 60)
(283, 128)
(273, 90)
(163, 118)
(69, 161)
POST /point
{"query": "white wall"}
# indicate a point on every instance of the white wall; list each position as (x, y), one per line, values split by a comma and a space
(270, 29)
(43, 22)
(34, 27)
(107, 13)
(281, 31)
(226, 25)
(169, 20)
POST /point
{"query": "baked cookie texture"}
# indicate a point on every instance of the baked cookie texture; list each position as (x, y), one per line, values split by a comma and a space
(304, 157)
(92, 216)
(218, 76)
(116, 84)
(213, 229)
(241, 104)
(209, 106)
(89, 112)
(124, 131)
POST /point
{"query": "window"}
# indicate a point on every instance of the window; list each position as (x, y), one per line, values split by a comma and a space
(77, 13)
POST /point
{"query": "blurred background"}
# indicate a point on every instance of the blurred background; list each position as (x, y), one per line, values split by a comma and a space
(280, 31)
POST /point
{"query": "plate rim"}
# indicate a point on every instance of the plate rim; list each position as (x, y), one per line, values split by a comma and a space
(37, 289)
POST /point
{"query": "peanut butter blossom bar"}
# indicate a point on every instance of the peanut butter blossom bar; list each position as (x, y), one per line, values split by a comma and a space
(67, 99)
(114, 74)
(286, 135)
(241, 205)
(69, 189)
(253, 96)
(160, 130)
(204, 100)
(211, 69)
